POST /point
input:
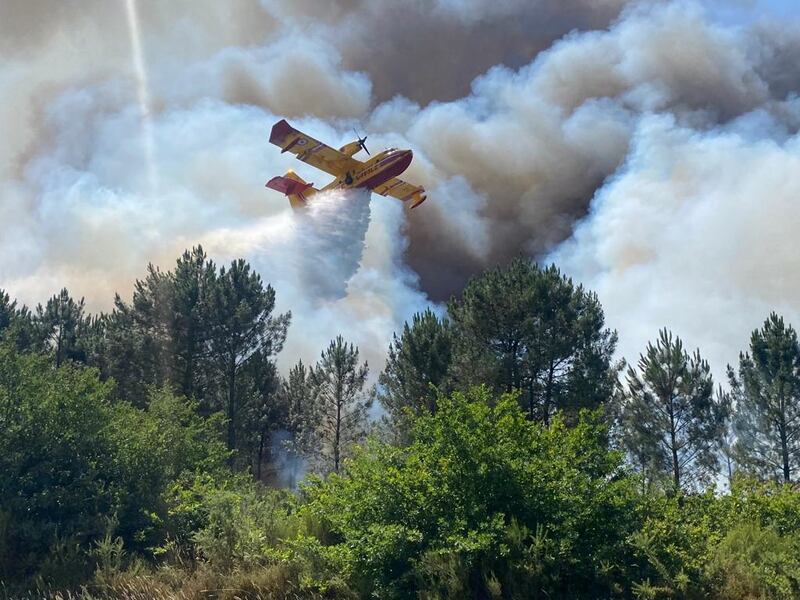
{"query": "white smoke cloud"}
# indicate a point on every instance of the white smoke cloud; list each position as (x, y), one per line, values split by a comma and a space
(511, 160)
(84, 216)
(336, 268)
(696, 233)
(292, 76)
(540, 140)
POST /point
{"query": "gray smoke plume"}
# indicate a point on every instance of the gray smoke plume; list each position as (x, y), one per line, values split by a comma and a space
(432, 49)
(697, 233)
(539, 128)
(539, 141)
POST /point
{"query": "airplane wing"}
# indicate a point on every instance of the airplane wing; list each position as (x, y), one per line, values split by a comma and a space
(402, 190)
(311, 151)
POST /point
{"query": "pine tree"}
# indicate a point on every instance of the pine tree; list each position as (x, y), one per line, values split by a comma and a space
(23, 331)
(124, 350)
(8, 310)
(767, 394)
(148, 319)
(673, 425)
(494, 320)
(417, 367)
(131, 343)
(337, 383)
(60, 326)
(161, 338)
(263, 411)
(568, 363)
(191, 284)
(531, 329)
(303, 418)
(241, 326)
(16, 324)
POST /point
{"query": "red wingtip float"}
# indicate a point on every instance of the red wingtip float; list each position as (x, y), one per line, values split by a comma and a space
(378, 174)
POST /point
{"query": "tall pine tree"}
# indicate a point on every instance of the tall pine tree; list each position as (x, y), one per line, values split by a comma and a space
(61, 327)
(673, 426)
(532, 329)
(767, 394)
(242, 326)
(337, 383)
(417, 367)
(191, 285)
(303, 419)
(8, 310)
(264, 412)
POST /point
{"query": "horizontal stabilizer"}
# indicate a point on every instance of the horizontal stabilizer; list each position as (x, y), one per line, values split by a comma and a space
(288, 186)
(417, 198)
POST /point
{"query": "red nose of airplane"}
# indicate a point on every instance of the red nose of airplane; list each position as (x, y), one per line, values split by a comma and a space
(404, 159)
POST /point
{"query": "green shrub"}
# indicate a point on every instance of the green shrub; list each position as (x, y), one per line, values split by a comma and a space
(244, 526)
(481, 499)
(71, 461)
(755, 563)
(58, 477)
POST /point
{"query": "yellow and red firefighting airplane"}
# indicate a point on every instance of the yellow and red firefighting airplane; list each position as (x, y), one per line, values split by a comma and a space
(378, 174)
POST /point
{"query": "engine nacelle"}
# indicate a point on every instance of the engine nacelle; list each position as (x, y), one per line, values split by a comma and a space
(351, 148)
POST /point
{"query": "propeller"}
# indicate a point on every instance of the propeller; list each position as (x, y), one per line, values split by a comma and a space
(362, 142)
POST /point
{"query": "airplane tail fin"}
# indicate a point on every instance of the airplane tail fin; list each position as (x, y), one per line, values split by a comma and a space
(295, 188)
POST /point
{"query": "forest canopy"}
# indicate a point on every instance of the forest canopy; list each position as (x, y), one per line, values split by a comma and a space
(503, 451)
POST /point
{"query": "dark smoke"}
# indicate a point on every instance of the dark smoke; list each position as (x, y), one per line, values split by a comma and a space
(432, 49)
(539, 141)
(524, 117)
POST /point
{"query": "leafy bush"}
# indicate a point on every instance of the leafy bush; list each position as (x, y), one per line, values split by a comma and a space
(71, 461)
(739, 545)
(58, 477)
(481, 500)
(244, 526)
(753, 562)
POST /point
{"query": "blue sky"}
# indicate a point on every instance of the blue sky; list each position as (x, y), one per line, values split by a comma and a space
(747, 10)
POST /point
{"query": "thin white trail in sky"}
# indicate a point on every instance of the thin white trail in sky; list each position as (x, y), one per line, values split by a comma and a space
(143, 92)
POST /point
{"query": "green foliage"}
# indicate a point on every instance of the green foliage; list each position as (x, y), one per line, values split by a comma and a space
(192, 283)
(337, 384)
(188, 443)
(529, 328)
(264, 411)
(17, 325)
(57, 473)
(475, 476)
(61, 327)
(249, 539)
(244, 526)
(741, 545)
(672, 545)
(242, 329)
(70, 461)
(8, 310)
(672, 423)
(167, 443)
(208, 334)
(767, 392)
(755, 562)
(129, 480)
(303, 416)
(417, 368)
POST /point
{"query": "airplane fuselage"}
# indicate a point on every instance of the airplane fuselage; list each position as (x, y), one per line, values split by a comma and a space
(378, 174)
(379, 169)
